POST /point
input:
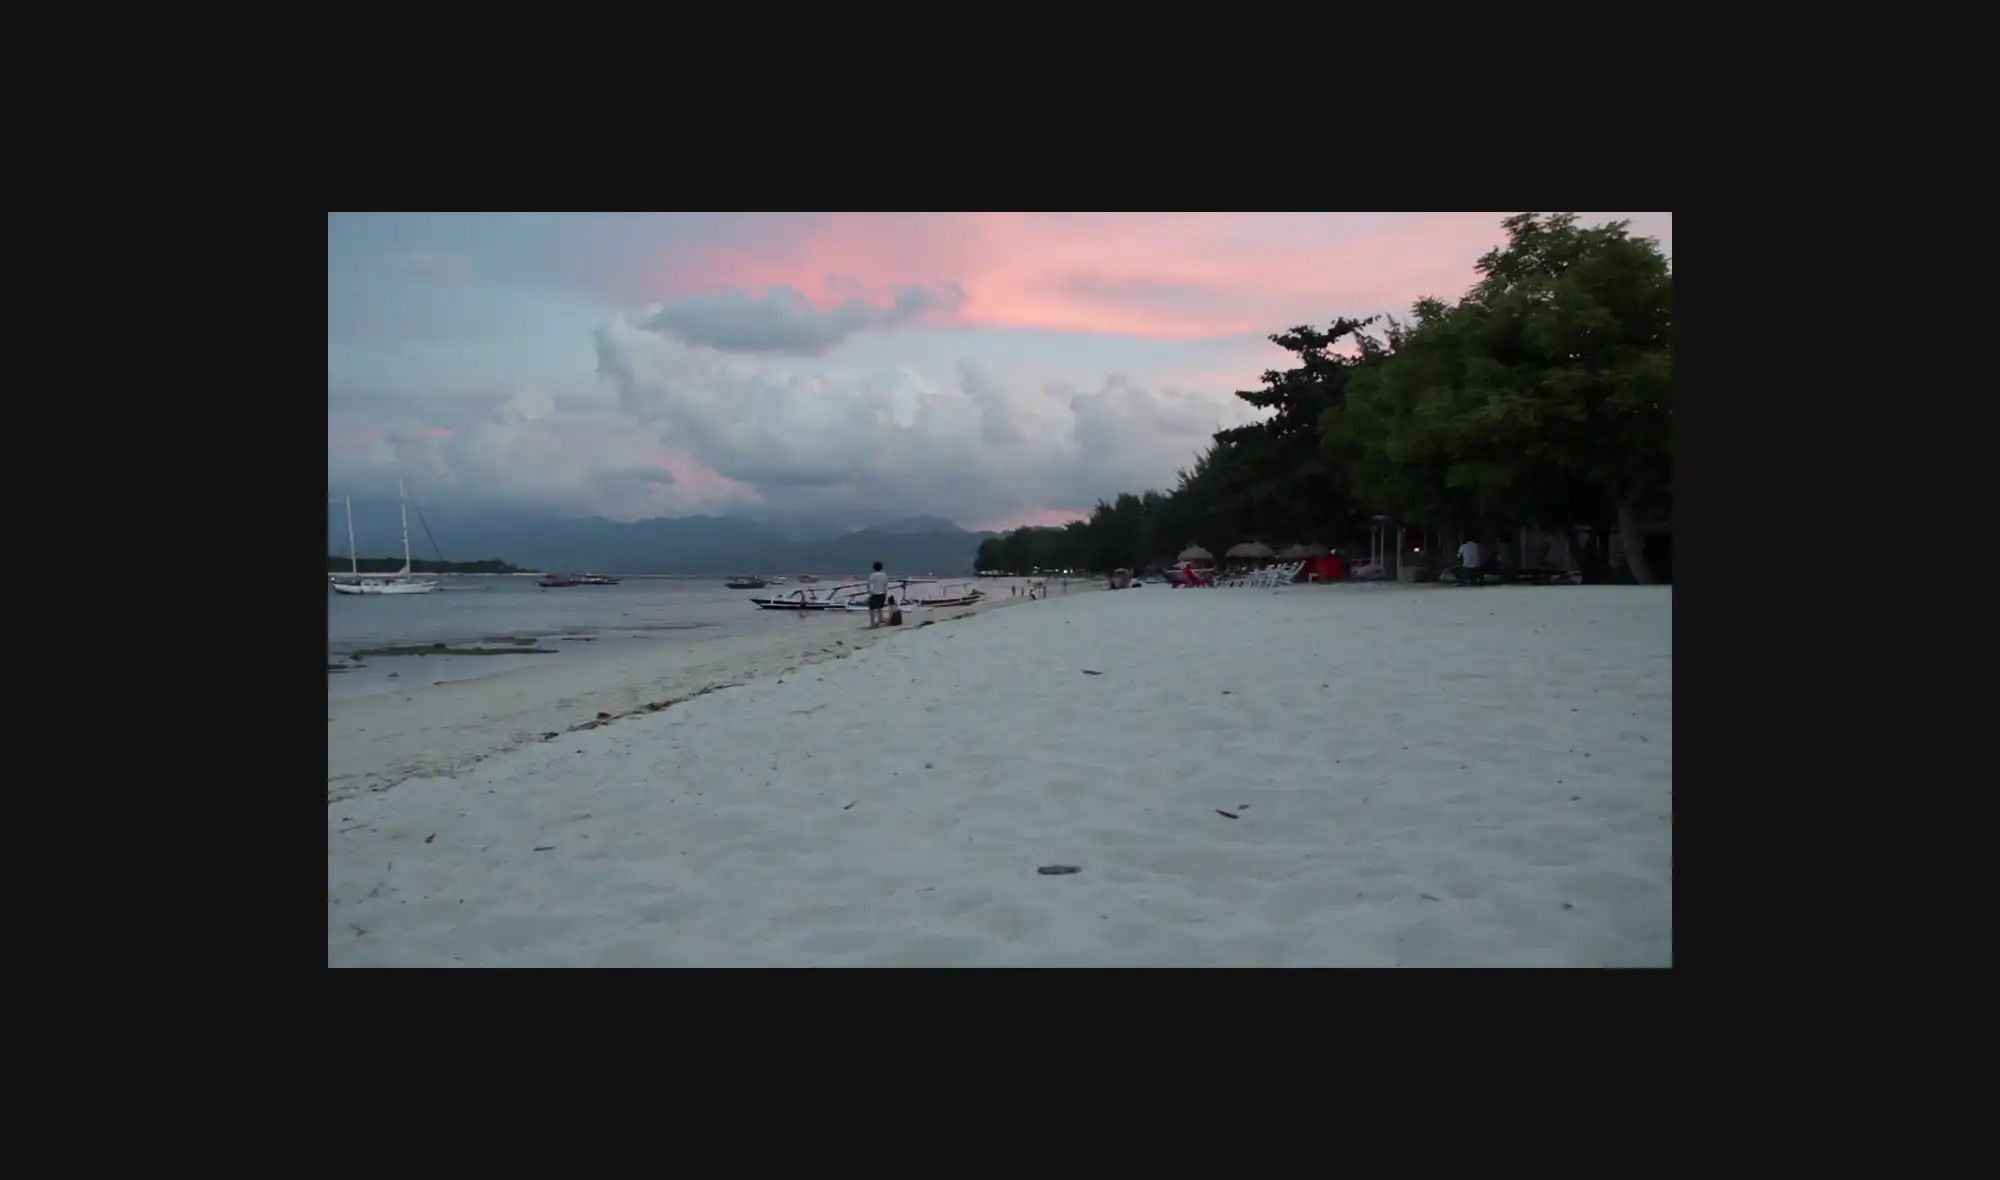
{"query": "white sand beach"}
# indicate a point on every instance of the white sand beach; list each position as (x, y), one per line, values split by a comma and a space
(435, 729)
(1313, 776)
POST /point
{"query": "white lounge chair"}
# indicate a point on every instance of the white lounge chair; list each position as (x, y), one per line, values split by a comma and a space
(1281, 575)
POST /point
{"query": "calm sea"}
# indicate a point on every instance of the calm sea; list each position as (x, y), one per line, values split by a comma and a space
(578, 622)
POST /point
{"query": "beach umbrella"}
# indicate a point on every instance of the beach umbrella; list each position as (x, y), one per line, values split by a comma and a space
(1254, 550)
(1195, 553)
(1301, 552)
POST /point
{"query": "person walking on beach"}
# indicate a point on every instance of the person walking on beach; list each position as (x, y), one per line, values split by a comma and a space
(878, 596)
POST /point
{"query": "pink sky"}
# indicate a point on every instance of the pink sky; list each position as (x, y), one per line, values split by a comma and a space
(1168, 276)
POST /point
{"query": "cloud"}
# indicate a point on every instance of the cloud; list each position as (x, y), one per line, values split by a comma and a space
(782, 321)
(682, 429)
(884, 442)
(530, 449)
(426, 264)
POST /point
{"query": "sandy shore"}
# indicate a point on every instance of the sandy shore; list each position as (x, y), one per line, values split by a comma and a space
(375, 742)
(1361, 776)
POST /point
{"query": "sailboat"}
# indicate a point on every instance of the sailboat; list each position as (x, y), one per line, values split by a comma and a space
(399, 582)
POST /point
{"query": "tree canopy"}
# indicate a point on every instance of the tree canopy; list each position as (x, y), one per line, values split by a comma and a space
(1542, 397)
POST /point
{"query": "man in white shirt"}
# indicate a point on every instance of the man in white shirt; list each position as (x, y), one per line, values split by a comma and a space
(878, 596)
(1468, 562)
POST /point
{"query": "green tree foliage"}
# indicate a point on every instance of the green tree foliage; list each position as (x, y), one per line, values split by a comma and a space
(1543, 397)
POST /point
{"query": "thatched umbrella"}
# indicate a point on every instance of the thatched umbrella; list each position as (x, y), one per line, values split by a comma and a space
(1195, 553)
(1303, 552)
(1250, 551)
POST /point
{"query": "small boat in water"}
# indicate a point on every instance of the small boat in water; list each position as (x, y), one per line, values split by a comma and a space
(746, 582)
(596, 580)
(557, 581)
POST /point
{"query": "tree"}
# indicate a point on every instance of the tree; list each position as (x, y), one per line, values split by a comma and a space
(1543, 396)
(1273, 478)
(1583, 321)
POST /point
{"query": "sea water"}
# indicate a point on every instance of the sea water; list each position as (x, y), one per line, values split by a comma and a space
(492, 612)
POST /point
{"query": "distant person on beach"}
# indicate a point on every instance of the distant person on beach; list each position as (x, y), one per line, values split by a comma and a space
(878, 596)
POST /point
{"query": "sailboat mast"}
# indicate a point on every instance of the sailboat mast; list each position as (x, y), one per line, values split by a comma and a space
(404, 504)
(353, 555)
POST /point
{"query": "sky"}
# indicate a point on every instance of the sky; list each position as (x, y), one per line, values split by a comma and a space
(996, 369)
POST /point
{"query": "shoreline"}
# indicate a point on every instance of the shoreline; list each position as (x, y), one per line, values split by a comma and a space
(379, 740)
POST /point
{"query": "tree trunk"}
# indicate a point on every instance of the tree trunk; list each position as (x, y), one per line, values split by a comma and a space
(1584, 553)
(1635, 544)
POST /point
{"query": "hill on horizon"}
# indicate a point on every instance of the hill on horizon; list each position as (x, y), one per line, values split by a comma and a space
(936, 525)
(916, 545)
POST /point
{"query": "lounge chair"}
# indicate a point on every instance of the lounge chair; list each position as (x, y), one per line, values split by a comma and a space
(1282, 575)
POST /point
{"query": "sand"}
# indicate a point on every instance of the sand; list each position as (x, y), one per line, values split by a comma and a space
(375, 742)
(1313, 776)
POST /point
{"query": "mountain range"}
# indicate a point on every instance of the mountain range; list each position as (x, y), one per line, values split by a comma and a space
(677, 545)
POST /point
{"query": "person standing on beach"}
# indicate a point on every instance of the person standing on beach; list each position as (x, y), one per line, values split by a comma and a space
(878, 596)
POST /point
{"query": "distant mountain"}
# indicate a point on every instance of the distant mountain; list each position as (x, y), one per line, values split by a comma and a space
(917, 524)
(683, 545)
(915, 554)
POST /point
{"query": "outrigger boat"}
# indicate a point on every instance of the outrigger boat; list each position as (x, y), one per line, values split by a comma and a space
(854, 596)
(746, 582)
(803, 599)
(955, 594)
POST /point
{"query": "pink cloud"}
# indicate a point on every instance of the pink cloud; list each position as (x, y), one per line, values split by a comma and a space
(354, 442)
(1162, 275)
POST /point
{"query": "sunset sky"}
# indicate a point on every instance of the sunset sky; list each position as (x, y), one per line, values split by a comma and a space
(993, 368)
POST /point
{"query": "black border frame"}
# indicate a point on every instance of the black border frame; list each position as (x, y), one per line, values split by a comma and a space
(204, 792)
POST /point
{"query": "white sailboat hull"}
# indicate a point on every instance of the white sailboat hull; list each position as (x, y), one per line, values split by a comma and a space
(384, 587)
(399, 582)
